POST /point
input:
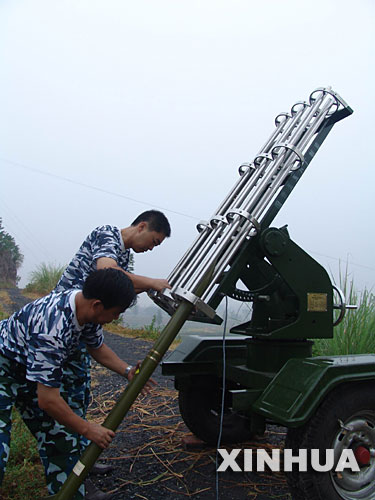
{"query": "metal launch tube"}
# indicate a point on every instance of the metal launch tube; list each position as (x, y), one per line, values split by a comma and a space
(281, 154)
(240, 216)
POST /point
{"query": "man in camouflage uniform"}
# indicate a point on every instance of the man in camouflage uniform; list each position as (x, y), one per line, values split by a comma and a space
(104, 247)
(35, 343)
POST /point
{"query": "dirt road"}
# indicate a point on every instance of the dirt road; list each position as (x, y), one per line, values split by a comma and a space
(147, 453)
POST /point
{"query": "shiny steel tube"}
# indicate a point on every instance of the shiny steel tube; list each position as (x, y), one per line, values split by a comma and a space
(205, 232)
(254, 191)
(264, 202)
(232, 196)
(242, 228)
(269, 190)
(265, 182)
(244, 233)
(205, 247)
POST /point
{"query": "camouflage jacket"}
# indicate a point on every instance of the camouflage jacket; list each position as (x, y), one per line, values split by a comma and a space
(44, 333)
(103, 241)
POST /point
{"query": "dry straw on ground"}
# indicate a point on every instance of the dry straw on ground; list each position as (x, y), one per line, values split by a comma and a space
(152, 436)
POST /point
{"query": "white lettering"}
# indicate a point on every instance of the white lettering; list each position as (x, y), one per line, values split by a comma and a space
(329, 462)
(248, 460)
(229, 460)
(272, 462)
(347, 461)
(300, 459)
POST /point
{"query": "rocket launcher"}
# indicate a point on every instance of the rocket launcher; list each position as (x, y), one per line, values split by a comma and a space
(237, 233)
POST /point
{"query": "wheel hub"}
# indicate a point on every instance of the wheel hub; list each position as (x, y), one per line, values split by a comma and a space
(362, 456)
(358, 434)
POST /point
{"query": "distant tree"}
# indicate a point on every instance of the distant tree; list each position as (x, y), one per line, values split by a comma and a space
(44, 279)
(10, 258)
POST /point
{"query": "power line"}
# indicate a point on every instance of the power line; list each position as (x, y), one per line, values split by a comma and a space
(95, 188)
(20, 239)
(341, 260)
(24, 231)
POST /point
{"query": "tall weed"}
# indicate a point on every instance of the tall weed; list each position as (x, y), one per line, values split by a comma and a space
(356, 333)
(152, 330)
(44, 279)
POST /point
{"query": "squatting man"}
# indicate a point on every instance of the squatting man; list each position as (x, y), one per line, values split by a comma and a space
(35, 342)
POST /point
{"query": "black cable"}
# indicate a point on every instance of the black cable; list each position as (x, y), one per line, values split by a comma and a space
(222, 398)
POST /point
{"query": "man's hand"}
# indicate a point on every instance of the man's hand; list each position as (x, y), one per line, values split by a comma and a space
(50, 401)
(140, 283)
(99, 435)
(149, 384)
(159, 284)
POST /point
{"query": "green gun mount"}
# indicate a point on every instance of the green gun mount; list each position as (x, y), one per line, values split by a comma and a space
(286, 303)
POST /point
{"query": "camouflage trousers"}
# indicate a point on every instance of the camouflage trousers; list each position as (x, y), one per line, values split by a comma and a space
(59, 447)
(76, 384)
(75, 389)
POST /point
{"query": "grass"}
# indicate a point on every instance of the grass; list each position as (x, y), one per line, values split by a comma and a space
(152, 331)
(24, 475)
(32, 295)
(356, 333)
(44, 279)
(147, 332)
(7, 284)
(4, 297)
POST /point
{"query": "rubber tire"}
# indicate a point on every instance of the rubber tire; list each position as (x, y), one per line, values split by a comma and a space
(200, 410)
(319, 432)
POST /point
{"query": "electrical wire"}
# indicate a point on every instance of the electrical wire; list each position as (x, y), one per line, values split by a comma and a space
(119, 195)
(22, 231)
(222, 400)
(95, 188)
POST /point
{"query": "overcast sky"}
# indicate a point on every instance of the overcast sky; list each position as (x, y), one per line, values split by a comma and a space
(156, 103)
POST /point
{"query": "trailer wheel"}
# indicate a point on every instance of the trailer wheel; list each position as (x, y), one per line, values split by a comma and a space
(200, 408)
(345, 420)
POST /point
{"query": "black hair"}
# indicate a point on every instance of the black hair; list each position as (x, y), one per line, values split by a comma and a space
(156, 220)
(111, 286)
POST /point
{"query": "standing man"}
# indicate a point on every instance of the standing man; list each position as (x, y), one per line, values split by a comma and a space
(35, 342)
(104, 247)
(109, 246)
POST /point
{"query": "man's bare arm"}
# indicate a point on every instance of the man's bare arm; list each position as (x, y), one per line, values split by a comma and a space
(51, 402)
(106, 357)
(140, 283)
